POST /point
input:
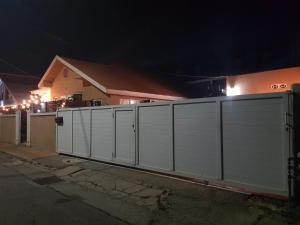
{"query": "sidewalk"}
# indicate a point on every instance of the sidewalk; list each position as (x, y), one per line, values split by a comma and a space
(24, 152)
(143, 198)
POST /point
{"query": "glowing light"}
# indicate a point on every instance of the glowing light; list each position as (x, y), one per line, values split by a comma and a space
(36, 102)
(23, 106)
(42, 94)
(38, 111)
(24, 101)
(232, 91)
(131, 102)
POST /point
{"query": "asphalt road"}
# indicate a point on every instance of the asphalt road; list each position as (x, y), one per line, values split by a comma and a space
(24, 202)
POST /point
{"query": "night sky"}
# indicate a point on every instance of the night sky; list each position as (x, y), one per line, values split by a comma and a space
(167, 37)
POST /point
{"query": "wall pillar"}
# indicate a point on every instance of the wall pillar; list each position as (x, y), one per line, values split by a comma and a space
(28, 129)
(18, 127)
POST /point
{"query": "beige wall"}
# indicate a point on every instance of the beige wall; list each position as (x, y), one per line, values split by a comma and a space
(8, 129)
(66, 83)
(91, 92)
(69, 83)
(116, 99)
(43, 132)
(262, 82)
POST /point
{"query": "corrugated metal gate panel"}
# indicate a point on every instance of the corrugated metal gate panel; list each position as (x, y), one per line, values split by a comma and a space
(155, 143)
(240, 141)
(64, 133)
(124, 136)
(81, 132)
(253, 143)
(196, 140)
(102, 134)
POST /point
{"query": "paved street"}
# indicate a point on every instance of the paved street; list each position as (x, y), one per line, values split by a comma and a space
(24, 202)
(42, 188)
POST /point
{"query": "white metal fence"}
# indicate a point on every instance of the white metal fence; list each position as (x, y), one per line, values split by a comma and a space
(241, 141)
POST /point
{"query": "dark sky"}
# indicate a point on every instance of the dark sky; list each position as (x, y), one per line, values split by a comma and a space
(186, 37)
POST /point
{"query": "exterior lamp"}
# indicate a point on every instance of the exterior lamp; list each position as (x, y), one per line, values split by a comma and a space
(232, 91)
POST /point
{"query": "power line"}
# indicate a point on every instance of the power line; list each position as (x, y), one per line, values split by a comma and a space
(18, 75)
(188, 75)
(13, 66)
(206, 80)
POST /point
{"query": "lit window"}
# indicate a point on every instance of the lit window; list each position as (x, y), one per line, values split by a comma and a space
(128, 101)
(232, 91)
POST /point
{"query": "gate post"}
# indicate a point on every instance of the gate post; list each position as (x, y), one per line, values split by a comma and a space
(18, 127)
(294, 160)
(28, 129)
(295, 166)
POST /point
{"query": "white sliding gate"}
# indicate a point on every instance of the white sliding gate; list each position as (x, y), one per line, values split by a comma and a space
(242, 141)
(124, 150)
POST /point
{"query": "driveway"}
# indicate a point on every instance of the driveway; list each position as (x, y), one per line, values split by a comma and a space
(58, 189)
(24, 202)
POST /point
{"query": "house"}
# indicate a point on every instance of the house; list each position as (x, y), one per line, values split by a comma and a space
(263, 82)
(109, 84)
(14, 88)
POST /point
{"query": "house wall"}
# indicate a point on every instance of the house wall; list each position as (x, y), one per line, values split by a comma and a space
(91, 92)
(69, 83)
(262, 82)
(117, 99)
(45, 139)
(66, 83)
(8, 129)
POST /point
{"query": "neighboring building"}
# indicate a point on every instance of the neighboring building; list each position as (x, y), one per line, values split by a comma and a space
(109, 84)
(14, 88)
(263, 82)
